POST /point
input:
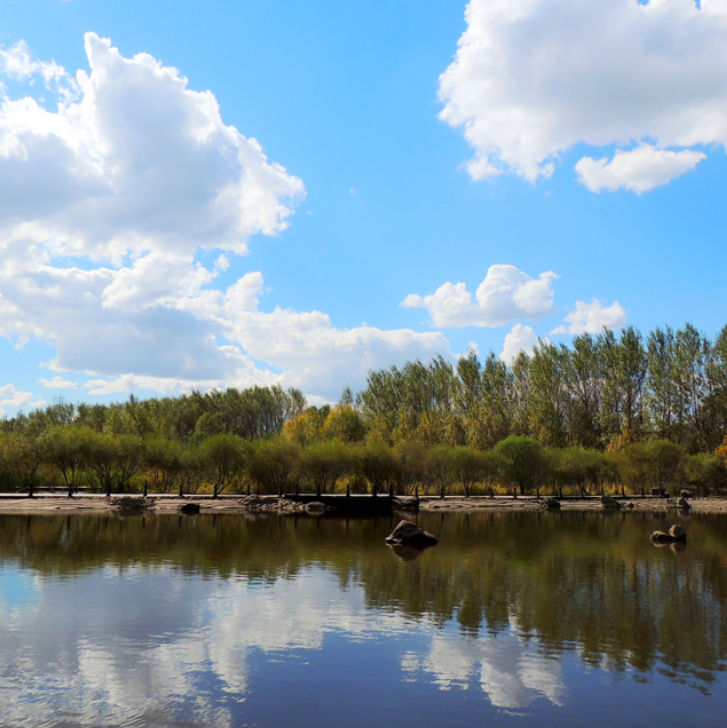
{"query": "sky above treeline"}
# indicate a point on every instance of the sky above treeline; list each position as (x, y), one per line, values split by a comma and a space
(229, 193)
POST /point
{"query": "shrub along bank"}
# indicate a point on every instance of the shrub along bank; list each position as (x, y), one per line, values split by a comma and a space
(77, 459)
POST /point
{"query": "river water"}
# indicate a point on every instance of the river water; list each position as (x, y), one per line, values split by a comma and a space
(512, 620)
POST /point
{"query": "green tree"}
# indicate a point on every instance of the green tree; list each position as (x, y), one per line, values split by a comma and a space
(324, 463)
(113, 459)
(162, 463)
(377, 465)
(524, 463)
(272, 464)
(225, 457)
(67, 449)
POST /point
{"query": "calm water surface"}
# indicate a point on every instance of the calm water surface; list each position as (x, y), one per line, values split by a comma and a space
(513, 620)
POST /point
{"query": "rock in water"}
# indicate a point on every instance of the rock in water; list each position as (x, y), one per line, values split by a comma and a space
(683, 504)
(676, 533)
(610, 503)
(189, 509)
(551, 504)
(408, 534)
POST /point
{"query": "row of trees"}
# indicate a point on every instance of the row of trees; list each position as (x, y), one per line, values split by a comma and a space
(78, 458)
(253, 413)
(602, 396)
(602, 392)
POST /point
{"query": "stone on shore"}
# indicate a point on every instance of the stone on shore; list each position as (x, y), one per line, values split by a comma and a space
(131, 502)
(316, 508)
(408, 534)
(250, 501)
(610, 503)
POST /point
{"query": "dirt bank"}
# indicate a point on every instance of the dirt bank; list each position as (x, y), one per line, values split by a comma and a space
(167, 504)
(659, 505)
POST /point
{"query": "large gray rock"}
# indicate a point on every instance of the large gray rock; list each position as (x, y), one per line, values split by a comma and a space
(409, 534)
(131, 502)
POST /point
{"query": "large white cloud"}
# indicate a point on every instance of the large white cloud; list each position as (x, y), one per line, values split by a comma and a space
(533, 78)
(137, 163)
(105, 204)
(505, 295)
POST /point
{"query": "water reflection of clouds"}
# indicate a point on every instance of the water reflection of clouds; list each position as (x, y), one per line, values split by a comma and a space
(511, 672)
(18, 590)
(113, 649)
(154, 647)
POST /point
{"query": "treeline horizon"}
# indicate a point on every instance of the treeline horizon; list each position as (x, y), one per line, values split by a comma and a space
(607, 410)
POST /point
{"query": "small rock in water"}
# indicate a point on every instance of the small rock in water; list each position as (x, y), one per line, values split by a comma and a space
(683, 504)
(189, 509)
(676, 533)
(409, 534)
(551, 504)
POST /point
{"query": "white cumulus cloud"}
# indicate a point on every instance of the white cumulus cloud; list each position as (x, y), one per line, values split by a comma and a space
(592, 318)
(58, 383)
(138, 163)
(104, 207)
(16, 62)
(12, 397)
(521, 338)
(534, 78)
(640, 170)
(505, 295)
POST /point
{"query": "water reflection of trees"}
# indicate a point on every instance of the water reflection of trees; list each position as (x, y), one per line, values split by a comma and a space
(575, 582)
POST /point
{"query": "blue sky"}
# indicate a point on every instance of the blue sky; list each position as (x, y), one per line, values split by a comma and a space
(119, 203)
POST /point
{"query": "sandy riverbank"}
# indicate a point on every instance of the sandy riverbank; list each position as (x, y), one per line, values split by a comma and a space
(166, 504)
(656, 505)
